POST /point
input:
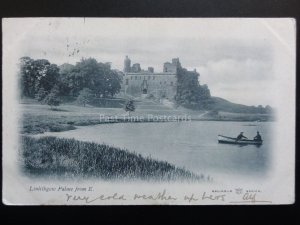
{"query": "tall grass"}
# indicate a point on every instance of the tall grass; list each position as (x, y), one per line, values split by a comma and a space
(71, 158)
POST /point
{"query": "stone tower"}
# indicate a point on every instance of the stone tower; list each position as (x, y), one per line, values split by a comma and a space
(176, 63)
(127, 64)
(172, 67)
(136, 67)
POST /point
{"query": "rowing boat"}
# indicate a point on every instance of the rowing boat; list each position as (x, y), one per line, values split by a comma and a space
(230, 140)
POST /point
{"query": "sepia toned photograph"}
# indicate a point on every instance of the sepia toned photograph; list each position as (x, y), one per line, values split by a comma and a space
(148, 111)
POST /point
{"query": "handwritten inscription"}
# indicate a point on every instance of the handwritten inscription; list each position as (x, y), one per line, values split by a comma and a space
(159, 196)
(190, 198)
(204, 196)
(88, 199)
(213, 197)
(249, 197)
(82, 195)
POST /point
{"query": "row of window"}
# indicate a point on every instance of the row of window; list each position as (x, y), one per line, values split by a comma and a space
(140, 77)
(165, 82)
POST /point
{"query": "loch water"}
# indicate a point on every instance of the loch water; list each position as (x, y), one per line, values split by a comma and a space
(190, 144)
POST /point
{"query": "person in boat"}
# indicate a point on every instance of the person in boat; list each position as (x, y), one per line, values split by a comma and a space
(257, 137)
(240, 136)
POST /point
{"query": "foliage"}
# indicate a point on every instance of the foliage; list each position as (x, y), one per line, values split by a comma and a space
(37, 74)
(268, 109)
(190, 93)
(62, 83)
(84, 96)
(53, 99)
(129, 106)
(98, 77)
(40, 96)
(71, 158)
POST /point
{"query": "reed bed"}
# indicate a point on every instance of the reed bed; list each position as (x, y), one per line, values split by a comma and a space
(60, 157)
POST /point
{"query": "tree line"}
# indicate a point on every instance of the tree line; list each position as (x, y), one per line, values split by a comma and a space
(87, 79)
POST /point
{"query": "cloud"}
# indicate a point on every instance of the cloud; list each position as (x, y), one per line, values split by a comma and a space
(238, 71)
(241, 81)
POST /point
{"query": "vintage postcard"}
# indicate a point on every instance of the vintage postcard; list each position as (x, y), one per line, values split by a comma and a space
(148, 111)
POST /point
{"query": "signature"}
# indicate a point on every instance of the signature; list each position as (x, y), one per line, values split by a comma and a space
(250, 198)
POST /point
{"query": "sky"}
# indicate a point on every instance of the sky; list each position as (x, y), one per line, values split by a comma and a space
(235, 57)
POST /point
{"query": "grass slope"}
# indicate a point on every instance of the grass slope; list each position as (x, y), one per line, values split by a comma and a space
(221, 104)
(37, 118)
(51, 156)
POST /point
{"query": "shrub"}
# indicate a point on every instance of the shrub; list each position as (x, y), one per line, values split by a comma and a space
(129, 106)
(52, 99)
(84, 96)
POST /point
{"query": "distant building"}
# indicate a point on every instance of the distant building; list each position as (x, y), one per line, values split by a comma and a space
(138, 82)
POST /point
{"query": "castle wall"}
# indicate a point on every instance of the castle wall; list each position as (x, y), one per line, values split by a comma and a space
(158, 84)
(170, 68)
(138, 82)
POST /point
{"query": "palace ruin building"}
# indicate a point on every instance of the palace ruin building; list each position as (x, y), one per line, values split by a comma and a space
(138, 82)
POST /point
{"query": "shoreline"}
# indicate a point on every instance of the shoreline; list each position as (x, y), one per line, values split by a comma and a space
(37, 119)
(58, 127)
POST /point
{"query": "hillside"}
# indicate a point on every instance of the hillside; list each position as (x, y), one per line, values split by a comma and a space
(220, 104)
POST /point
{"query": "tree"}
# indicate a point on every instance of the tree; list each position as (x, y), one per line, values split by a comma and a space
(37, 74)
(47, 74)
(129, 106)
(268, 109)
(88, 73)
(27, 77)
(63, 82)
(260, 109)
(84, 96)
(190, 93)
(40, 96)
(111, 84)
(53, 99)
(98, 77)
